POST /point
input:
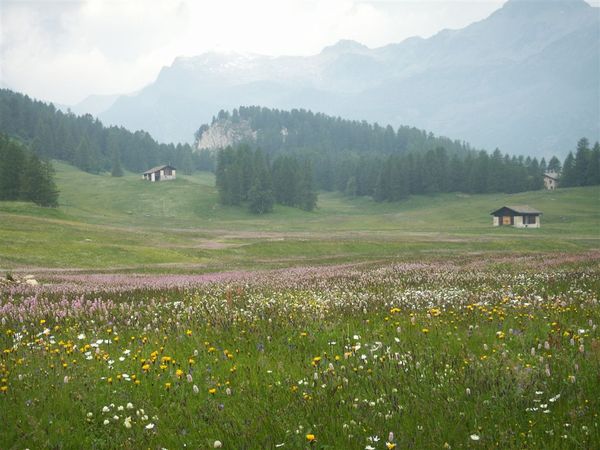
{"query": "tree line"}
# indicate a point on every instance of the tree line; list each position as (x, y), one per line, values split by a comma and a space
(246, 176)
(280, 131)
(24, 176)
(86, 143)
(293, 178)
(398, 176)
(583, 168)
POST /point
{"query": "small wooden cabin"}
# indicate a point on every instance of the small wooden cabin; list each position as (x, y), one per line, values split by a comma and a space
(160, 173)
(517, 216)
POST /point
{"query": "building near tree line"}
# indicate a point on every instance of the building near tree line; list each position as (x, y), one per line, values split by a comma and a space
(551, 180)
(160, 173)
(522, 216)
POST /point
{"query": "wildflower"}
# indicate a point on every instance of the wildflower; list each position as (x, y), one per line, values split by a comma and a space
(106, 422)
(105, 409)
(425, 330)
(311, 438)
(129, 405)
(217, 444)
(149, 426)
(212, 391)
(189, 378)
(179, 373)
(474, 437)
(195, 389)
(390, 445)
(127, 422)
(167, 386)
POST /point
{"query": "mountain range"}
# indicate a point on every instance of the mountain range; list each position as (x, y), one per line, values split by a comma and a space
(525, 79)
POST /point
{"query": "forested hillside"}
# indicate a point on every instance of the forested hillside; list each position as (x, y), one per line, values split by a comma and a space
(276, 131)
(362, 159)
(24, 176)
(83, 141)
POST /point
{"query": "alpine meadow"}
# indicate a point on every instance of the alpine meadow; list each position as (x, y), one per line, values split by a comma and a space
(300, 225)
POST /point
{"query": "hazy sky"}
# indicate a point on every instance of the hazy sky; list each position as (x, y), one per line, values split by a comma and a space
(64, 51)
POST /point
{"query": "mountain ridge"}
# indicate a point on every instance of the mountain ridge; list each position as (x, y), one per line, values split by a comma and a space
(441, 83)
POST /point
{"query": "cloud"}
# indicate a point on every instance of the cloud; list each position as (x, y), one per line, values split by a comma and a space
(65, 50)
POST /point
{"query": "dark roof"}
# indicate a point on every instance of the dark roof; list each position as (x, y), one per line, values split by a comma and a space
(519, 209)
(157, 168)
(552, 175)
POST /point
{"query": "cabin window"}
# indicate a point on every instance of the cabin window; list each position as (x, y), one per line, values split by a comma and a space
(529, 220)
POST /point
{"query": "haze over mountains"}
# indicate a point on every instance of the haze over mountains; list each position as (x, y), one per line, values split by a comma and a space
(525, 79)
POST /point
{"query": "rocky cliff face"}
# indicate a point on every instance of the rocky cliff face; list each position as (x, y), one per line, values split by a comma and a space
(225, 132)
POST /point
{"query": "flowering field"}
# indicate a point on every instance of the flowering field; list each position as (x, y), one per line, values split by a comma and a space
(460, 354)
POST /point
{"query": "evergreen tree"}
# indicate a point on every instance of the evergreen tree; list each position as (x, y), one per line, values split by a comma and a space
(582, 161)
(38, 183)
(554, 165)
(568, 177)
(260, 196)
(115, 153)
(593, 170)
(12, 166)
(306, 197)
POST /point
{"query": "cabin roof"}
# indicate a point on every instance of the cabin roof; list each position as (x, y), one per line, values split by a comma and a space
(552, 175)
(157, 168)
(519, 209)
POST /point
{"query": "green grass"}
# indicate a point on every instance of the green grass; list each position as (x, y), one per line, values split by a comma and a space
(106, 223)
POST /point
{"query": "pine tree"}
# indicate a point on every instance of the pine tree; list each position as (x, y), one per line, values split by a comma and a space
(582, 161)
(113, 148)
(260, 195)
(554, 165)
(12, 166)
(593, 172)
(306, 197)
(38, 183)
(568, 177)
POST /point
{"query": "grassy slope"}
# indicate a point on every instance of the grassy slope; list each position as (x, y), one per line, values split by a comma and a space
(124, 223)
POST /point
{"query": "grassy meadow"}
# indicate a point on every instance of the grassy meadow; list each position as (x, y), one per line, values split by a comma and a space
(124, 224)
(411, 355)
(159, 319)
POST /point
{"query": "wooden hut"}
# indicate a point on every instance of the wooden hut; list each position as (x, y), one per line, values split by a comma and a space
(522, 216)
(160, 173)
